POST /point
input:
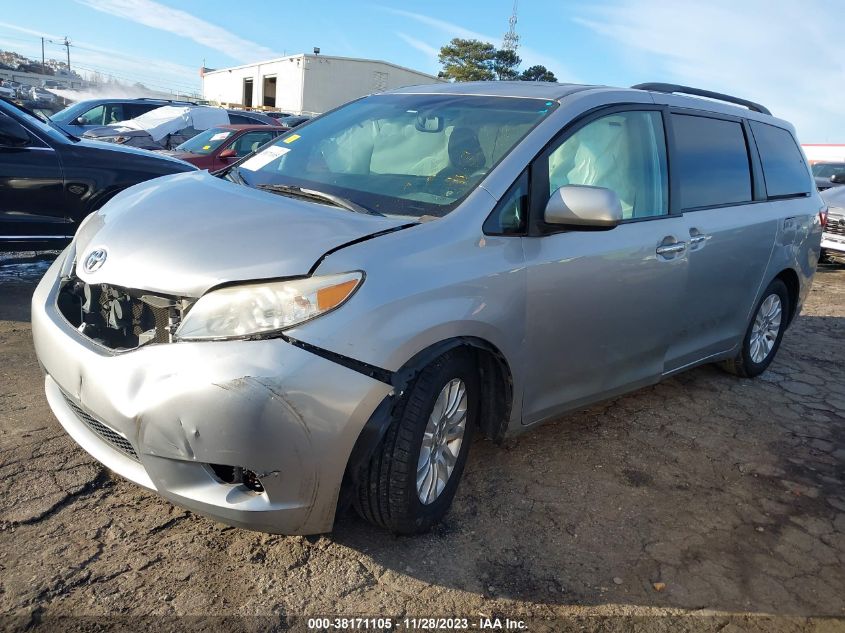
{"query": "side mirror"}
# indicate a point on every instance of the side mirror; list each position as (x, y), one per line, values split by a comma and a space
(81, 121)
(583, 206)
(227, 153)
(12, 133)
(838, 179)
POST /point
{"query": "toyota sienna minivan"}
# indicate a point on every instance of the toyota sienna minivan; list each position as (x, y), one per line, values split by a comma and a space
(331, 319)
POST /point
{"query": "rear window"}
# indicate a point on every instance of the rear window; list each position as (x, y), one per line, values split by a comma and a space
(712, 161)
(784, 169)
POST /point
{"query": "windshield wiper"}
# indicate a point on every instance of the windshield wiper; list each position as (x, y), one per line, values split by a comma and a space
(299, 192)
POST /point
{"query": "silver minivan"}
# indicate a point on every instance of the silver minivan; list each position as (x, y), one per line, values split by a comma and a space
(330, 320)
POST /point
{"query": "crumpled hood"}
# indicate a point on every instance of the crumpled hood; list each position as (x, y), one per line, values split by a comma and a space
(183, 234)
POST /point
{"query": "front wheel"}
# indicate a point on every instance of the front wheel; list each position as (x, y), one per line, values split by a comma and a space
(410, 481)
(764, 334)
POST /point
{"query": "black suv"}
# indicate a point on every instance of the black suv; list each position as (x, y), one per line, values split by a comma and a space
(50, 180)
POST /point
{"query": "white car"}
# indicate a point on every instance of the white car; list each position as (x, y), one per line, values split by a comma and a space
(833, 238)
(39, 94)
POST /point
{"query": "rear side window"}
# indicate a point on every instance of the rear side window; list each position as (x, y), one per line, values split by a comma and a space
(784, 169)
(711, 157)
(237, 119)
(132, 110)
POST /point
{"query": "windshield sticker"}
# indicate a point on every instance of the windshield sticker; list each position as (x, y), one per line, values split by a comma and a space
(206, 146)
(267, 156)
(219, 136)
(291, 139)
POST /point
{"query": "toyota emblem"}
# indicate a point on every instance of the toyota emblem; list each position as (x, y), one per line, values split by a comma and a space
(95, 260)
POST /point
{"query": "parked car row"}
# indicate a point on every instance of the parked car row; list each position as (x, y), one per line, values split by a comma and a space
(328, 320)
(169, 126)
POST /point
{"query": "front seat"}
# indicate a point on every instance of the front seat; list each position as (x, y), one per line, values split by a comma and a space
(466, 158)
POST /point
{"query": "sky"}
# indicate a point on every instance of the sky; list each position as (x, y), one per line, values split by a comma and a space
(784, 54)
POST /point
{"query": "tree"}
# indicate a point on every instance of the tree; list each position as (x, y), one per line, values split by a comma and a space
(467, 60)
(505, 64)
(537, 73)
(474, 60)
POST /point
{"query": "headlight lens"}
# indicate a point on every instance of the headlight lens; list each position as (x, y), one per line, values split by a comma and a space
(248, 309)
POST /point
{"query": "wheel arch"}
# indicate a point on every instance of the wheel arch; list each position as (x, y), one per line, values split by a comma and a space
(793, 285)
(497, 394)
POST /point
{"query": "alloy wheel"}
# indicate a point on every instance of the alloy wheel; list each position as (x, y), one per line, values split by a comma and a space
(766, 328)
(442, 439)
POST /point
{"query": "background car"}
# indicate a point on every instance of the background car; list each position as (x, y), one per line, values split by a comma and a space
(54, 84)
(24, 91)
(39, 94)
(294, 120)
(170, 126)
(829, 175)
(92, 113)
(279, 115)
(7, 91)
(220, 146)
(50, 181)
(833, 238)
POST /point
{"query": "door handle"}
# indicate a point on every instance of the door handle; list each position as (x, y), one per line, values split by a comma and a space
(697, 239)
(671, 249)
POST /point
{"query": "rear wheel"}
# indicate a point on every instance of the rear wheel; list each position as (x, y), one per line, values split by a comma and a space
(409, 483)
(764, 334)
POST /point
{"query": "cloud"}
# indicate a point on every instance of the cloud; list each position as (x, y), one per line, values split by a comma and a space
(783, 55)
(158, 16)
(529, 55)
(425, 49)
(86, 56)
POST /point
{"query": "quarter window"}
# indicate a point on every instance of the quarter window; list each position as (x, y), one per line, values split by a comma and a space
(712, 161)
(784, 169)
(509, 216)
(624, 152)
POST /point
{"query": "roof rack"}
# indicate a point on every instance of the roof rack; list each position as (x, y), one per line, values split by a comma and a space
(675, 88)
(165, 100)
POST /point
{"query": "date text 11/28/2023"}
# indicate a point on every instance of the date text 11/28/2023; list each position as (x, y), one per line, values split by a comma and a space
(482, 623)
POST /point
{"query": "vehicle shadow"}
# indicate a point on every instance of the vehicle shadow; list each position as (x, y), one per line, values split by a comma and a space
(19, 275)
(705, 491)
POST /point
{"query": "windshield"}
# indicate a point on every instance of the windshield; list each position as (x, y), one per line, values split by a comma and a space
(826, 170)
(72, 112)
(205, 142)
(408, 155)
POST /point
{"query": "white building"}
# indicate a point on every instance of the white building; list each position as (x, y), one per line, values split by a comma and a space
(824, 152)
(307, 84)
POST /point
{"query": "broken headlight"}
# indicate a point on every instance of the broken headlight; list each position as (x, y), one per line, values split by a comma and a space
(249, 309)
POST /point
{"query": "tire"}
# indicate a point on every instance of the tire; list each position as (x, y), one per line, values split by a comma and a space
(748, 363)
(387, 491)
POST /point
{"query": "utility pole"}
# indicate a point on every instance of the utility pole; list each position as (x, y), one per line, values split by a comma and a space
(66, 44)
(42, 56)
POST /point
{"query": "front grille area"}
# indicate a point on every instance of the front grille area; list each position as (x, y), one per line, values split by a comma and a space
(108, 435)
(119, 318)
(835, 226)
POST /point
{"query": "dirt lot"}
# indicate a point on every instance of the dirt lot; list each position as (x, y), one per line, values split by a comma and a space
(729, 492)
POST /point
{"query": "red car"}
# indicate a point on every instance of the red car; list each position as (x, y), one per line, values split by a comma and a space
(219, 146)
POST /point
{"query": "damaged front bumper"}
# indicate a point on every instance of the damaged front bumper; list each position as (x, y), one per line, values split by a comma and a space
(168, 416)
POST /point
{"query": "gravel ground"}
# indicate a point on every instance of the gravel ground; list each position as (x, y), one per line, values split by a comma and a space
(704, 503)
